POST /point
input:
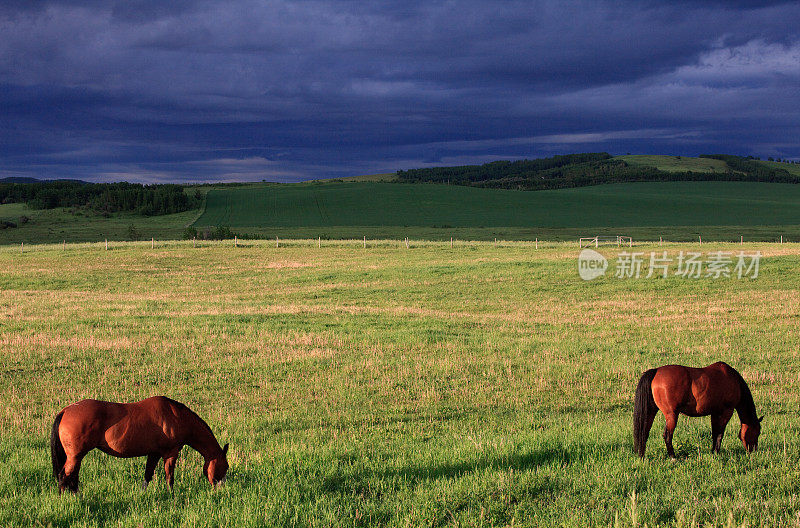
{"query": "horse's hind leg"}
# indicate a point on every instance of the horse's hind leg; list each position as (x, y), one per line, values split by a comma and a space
(669, 429)
(69, 475)
(150, 468)
(718, 424)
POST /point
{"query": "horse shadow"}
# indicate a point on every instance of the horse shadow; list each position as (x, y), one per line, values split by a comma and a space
(413, 476)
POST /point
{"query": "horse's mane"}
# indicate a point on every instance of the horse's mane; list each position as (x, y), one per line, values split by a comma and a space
(183, 407)
(746, 403)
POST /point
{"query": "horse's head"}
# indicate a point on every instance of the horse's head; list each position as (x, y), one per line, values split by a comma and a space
(749, 435)
(216, 468)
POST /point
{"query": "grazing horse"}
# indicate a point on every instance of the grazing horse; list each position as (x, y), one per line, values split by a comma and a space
(714, 390)
(157, 428)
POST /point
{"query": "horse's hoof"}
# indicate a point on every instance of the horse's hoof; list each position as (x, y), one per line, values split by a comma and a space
(144, 485)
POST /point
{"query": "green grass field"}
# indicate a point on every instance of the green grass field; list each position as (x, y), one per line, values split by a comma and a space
(671, 208)
(57, 225)
(679, 211)
(473, 386)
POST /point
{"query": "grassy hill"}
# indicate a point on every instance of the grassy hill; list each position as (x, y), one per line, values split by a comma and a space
(677, 163)
(645, 210)
(791, 168)
(629, 205)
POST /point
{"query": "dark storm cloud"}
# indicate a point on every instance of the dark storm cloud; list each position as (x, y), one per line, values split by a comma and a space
(151, 90)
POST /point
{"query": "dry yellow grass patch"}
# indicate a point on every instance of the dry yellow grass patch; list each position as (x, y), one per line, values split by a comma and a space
(18, 342)
(287, 264)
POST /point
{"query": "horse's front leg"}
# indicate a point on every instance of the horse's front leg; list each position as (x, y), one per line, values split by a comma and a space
(669, 429)
(718, 424)
(150, 468)
(169, 467)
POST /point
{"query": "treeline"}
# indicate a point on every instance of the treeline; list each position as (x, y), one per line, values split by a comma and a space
(102, 198)
(755, 170)
(497, 170)
(580, 170)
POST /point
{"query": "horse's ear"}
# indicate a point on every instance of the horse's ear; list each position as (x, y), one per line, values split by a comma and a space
(225, 450)
(759, 420)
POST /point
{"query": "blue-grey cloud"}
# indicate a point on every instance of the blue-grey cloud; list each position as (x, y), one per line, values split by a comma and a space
(196, 91)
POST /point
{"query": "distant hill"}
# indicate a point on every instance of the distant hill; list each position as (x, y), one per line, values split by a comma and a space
(26, 179)
(19, 179)
(580, 170)
(677, 163)
(792, 168)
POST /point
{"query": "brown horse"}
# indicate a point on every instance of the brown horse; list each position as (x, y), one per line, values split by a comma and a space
(157, 428)
(714, 390)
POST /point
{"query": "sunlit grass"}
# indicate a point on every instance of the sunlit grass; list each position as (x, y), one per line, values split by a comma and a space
(473, 385)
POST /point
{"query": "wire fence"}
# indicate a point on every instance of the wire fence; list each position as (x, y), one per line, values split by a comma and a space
(362, 243)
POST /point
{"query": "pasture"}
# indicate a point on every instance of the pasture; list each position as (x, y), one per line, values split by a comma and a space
(674, 209)
(677, 211)
(472, 386)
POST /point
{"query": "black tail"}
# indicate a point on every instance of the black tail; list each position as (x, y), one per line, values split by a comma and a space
(644, 407)
(57, 452)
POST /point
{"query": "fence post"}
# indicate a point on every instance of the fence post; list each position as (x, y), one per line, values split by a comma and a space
(106, 244)
(406, 242)
(365, 241)
(319, 242)
(595, 242)
(741, 239)
(22, 247)
(235, 241)
(781, 239)
(194, 241)
(152, 242)
(701, 239)
(537, 242)
(630, 242)
(659, 241)
(64, 245)
(277, 244)
(451, 242)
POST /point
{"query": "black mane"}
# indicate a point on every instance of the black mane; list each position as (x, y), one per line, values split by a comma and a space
(746, 407)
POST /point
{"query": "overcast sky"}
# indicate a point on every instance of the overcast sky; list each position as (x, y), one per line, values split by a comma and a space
(174, 90)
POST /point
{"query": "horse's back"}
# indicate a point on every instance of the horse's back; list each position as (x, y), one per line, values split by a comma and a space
(696, 391)
(91, 411)
(672, 377)
(161, 404)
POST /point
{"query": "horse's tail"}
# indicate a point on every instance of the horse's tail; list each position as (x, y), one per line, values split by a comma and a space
(644, 406)
(57, 452)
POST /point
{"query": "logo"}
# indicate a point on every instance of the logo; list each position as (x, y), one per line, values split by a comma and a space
(591, 264)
